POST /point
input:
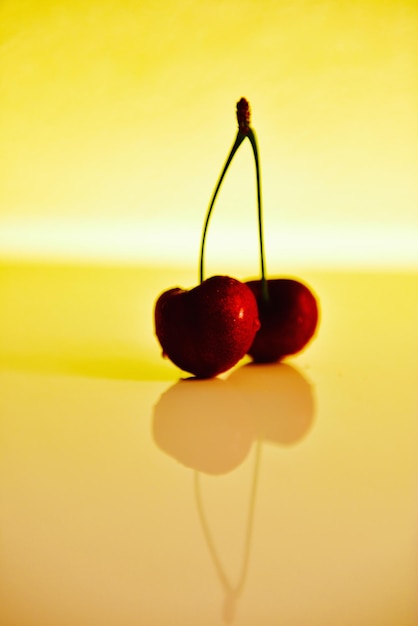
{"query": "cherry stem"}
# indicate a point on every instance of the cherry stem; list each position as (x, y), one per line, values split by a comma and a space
(264, 288)
(238, 141)
(244, 131)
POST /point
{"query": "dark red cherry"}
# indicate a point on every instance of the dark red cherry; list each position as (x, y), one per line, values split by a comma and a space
(288, 319)
(207, 330)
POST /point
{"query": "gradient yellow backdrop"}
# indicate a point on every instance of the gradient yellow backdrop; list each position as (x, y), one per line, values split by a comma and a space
(116, 118)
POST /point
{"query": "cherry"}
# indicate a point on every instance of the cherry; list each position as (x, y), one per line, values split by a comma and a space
(208, 329)
(288, 319)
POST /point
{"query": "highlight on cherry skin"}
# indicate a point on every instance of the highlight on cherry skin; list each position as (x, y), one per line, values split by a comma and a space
(206, 330)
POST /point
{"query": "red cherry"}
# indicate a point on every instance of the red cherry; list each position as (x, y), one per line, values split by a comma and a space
(288, 319)
(207, 330)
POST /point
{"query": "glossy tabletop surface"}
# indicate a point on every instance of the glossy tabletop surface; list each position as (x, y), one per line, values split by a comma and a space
(282, 494)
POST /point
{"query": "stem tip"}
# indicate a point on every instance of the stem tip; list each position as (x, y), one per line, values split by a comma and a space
(243, 115)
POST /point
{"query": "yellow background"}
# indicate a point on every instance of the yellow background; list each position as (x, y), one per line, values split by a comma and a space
(116, 118)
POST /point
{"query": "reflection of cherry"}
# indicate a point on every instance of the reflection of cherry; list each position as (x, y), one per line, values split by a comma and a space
(210, 426)
(280, 399)
(205, 425)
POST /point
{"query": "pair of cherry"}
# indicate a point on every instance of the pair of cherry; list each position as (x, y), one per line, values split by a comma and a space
(208, 329)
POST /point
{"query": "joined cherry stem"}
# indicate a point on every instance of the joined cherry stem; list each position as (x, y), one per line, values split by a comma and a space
(264, 288)
(243, 132)
(238, 141)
